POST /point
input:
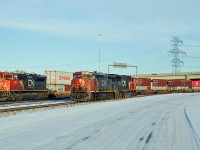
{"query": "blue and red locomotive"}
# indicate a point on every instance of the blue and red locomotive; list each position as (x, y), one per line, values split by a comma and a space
(88, 86)
(18, 86)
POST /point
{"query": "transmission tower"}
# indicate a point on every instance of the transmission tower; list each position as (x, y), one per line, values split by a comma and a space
(175, 52)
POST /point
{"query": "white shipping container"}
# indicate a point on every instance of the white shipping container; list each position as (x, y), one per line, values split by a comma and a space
(57, 88)
(182, 87)
(141, 88)
(175, 88)
(58, 77)
(159, 88)
(196, 88)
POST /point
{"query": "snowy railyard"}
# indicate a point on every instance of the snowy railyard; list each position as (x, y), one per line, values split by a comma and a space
(161, 122)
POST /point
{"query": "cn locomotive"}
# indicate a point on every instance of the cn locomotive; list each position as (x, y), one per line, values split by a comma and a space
(89, 86)
(18, 86)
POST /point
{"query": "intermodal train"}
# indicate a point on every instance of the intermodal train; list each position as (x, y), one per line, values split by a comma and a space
(89, 86)
(85, 86)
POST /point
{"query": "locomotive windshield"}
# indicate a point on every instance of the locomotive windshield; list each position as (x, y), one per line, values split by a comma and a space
(87, 75)
(82, 75)
(77, 76)
(8, 77)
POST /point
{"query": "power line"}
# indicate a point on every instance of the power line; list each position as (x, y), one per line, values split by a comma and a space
(191, 67)
(191, 45)
(92, 61)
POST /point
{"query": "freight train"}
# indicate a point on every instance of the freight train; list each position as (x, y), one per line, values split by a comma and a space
(89, 86)
(85, 86)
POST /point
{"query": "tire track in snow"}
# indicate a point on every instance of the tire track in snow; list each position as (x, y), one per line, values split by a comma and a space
(197, 139)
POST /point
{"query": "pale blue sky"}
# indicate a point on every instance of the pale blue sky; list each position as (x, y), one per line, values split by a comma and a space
(39, 35)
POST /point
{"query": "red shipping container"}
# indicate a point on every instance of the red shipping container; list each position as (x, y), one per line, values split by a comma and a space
(183, 82)
(188, 83)
(143, 82)
(159, 82)
(174, 83)
(177, 83)
(196, 83)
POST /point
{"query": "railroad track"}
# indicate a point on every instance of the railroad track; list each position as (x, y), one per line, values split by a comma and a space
(19, 109)
(2, 103)
(13, 111)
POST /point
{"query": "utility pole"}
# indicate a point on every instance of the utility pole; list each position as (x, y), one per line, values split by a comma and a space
(175, 52)
(99, 53)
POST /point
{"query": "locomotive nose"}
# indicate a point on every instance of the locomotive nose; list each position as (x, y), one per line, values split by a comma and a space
(78, 84)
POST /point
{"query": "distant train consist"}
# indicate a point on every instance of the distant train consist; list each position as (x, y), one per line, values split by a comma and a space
(88, 86)
(85, 86)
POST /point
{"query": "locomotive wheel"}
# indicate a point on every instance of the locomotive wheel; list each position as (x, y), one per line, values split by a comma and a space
(19, 96)
(11, 98)
(117, 94)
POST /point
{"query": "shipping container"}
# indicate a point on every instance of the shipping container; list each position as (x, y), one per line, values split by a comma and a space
(143, 82)
(196, 88)
(159, 88)
(139, 88)
(182, 88)
(172, 88)
(59, 77)
(174, 83)
(58, 87)
(159, 82)
(196, 83)
(59, 91)
(189, 83)
(58, 80)
(59, 83)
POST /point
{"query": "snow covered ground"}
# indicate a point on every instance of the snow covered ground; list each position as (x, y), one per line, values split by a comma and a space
(161, 122)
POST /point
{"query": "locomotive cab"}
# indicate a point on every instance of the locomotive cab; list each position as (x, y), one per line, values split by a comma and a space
(5, 78)
(81, 81)
(9, 81)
